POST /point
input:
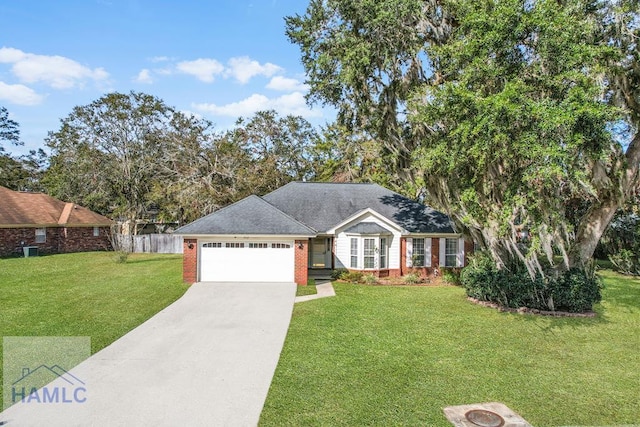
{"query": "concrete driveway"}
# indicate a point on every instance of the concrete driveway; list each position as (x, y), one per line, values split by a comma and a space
(206, 360)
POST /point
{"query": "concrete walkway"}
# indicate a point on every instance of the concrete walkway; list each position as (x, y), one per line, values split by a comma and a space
(323, 291)
(206, 360)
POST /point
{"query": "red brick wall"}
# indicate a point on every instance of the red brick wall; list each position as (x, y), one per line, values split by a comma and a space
(81, 239)
(301, 262)
(422, 271)
(190, 260)
(468, 250)
(59, 240)
(435, 253)
(403, 256)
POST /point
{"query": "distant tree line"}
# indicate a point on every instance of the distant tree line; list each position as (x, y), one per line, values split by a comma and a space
(130, 155)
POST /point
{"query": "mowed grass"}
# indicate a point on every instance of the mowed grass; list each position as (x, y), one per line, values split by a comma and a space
(85, 294)
(392, 356)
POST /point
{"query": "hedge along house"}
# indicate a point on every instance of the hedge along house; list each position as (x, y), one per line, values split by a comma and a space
(48, 224)
(304, 227)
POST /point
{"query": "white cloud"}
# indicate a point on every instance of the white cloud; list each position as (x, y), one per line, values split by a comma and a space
(296, 104)
(56, 71)
(203, 69)
(144, 76)
(9, 55)
(19, 94)
(293, 103)
(285, 84)
(243, 69)
(160, 59)
(190, 113)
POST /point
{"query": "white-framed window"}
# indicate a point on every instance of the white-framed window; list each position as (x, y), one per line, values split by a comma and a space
(41, 235)
(280, 246)
(354, 252)
(383, 252)
(234, 245)
(212, 245)
(96, 231)
(418, 252)
(451, 253)
(369, 253)
(258, 245)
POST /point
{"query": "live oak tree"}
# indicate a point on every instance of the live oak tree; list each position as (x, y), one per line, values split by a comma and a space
(130, 155)
(9, 129)
(278, 149)
(17, 172)
(118, 154)
(506, 113)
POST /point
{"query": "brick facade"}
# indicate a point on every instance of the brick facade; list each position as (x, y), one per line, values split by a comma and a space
(421, 271)
(58, 240)
(435, 257)
(469, 248)
(301, 262)
(190, 261)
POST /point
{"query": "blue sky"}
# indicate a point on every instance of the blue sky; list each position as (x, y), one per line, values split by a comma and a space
(218, 59)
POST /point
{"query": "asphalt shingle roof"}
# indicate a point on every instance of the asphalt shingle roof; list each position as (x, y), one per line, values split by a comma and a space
(322, 206)
(251, 215)
(367, 228)
(38, 209)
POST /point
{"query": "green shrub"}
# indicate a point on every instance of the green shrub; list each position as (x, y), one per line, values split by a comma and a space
(574, 291)
(369, 279)
(352, 276)
(451, 276)
(626, 262)
(411, 278)
(338, 273)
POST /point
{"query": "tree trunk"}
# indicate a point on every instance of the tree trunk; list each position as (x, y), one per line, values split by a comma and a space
(597, 219)
(589, 232)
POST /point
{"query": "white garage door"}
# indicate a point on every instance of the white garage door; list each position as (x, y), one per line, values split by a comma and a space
(251, 261)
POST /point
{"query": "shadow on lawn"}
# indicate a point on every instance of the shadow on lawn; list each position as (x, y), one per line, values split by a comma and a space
(551, 323)
(622, 291)
(135, 260)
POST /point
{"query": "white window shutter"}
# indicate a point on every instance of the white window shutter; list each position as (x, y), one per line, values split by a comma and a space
(443, 242)
(427, 252)
(461, 252)
(409, 252)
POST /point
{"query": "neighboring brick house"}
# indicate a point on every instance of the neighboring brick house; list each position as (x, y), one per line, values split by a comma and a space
(307, 226)
(51, 225)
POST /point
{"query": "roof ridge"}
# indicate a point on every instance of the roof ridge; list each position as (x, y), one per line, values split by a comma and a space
(286, 215)
(220, 210)
(262, 201)
(66, 213)
(329, 182)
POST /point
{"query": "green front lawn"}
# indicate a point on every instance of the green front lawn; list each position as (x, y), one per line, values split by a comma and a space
(85, 294)
(398, 355)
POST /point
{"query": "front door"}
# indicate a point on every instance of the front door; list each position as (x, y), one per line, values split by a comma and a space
(320, 253)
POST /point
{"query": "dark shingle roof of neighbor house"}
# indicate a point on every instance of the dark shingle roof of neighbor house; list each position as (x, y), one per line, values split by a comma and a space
(22, 209)
(251, 215)
(322, 206)
(367, 228)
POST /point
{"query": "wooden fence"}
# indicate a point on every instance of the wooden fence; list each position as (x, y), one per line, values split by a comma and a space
(149, 243)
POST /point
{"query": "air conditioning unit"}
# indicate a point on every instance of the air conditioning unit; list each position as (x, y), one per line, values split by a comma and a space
(30, 251)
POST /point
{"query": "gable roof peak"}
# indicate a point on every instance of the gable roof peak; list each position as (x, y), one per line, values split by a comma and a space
(323, 205)
(251, 215)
